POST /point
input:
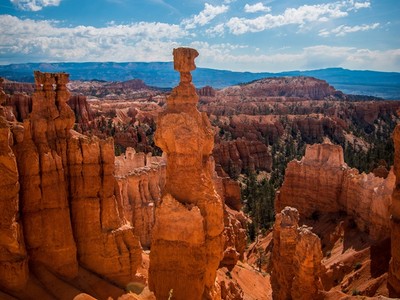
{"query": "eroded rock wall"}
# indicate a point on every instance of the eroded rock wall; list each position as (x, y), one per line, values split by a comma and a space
(394, 267)
(322, 183)
(141, 179)
(13, 256)
(69, 206)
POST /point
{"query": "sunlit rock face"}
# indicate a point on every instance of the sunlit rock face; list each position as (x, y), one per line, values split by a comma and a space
(187, 243)
(296, 258)
(322, 183)
(69, 207)
(394, 268)
(13, 256)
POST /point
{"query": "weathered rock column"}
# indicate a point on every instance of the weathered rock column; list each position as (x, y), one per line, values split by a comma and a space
(187, 243)
(296, 259)
(40, 147)
(394, 267)
(13, 256)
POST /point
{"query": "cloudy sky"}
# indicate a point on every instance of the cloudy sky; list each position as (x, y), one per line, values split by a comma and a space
(240, 35)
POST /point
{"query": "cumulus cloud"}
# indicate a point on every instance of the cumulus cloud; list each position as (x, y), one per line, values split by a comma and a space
(342, 30)
(294, 16)
(34, 5)
(256, 8)
(205, 16)
(47, 41)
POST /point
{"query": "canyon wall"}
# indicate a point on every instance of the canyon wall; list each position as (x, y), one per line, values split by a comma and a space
(141, 179)
(69, 206)
(394, 268)
(13, 256)
(322, 183)
(189, 220)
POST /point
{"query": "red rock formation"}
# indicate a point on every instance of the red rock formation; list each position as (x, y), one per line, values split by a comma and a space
(13, 256)
(296, 87)
(82, 110)
(206, 91)
(296, 259)
(187, 243)
(21, 105)
(322, 183)
(11, 87)
(41, 150)
(105, 243)
(68, 202)
(394, 269)
(141, 180)
(242, 155)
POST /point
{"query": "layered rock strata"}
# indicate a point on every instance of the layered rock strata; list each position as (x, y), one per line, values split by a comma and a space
(41, 151)
(394, 267)
(141, 179)
(187, 243)
(13, 256)
(242, 155)
(322, 183)
(70, 208)
(296, 259)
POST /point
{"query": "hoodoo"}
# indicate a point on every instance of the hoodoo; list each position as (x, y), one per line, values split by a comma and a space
(187, 243)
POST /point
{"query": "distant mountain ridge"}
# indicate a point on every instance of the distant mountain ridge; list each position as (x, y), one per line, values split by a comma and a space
(162, 74)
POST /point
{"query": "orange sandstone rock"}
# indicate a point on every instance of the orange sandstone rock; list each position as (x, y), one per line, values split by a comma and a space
(394, 268)
(187, 243)
(322, 183)
(141, 178)
(296, 258)
(41, 149)
(13, 256)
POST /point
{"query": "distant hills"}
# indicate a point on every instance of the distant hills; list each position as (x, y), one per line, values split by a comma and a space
(162, 74)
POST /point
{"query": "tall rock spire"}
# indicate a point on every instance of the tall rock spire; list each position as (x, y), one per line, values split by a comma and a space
(187, 243)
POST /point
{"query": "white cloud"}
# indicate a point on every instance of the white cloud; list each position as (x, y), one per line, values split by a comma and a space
(301, 16)
(359, 5)
(34, 5)
(205, 16)
(47, 41)
(342, 30)
(217, 30)
(256, 8)
(315, 57)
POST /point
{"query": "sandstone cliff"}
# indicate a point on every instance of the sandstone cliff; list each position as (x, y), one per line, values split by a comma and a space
(296, 259)
(83, 112)
(322, 183)
(69, 207)
(242, 155)
(13, 256)
(187, 243)
(394, 269)
(141, 179)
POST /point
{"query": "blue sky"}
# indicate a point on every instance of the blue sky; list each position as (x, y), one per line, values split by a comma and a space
(249, 35)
